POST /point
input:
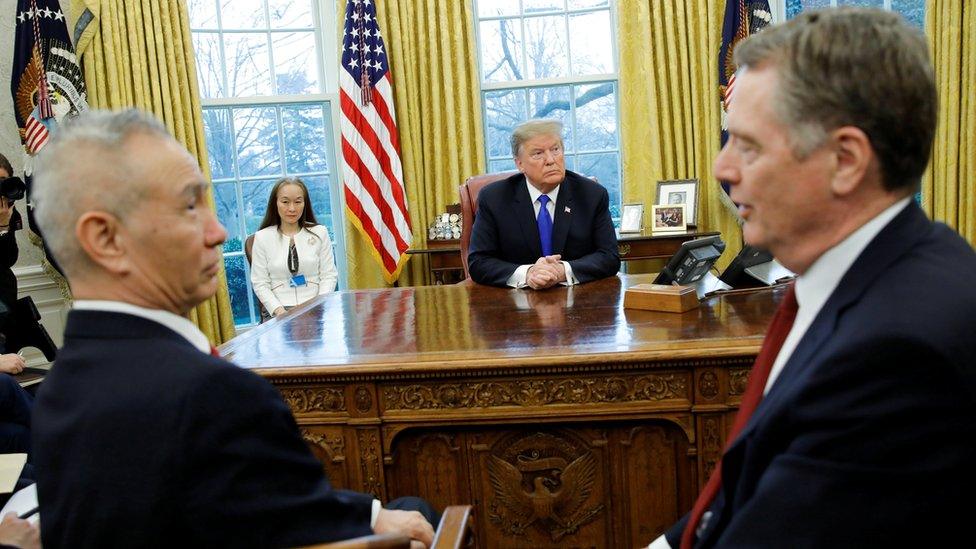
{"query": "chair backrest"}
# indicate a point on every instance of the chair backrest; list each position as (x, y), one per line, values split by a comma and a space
(455, 531)
(469, 207)
(382, 541)
(248, 244)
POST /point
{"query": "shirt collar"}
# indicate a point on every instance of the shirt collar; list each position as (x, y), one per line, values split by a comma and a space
(177, 323)
(535, 193)
(815, 286)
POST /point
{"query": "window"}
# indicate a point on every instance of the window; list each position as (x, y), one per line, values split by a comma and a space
(552, 59)
(912, 10)
(266, 115)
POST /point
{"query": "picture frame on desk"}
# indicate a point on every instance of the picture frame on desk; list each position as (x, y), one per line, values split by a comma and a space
(668, 218)
(680, 191)
(631, 218)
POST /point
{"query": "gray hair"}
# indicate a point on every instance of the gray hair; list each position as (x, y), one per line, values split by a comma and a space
(865, 68)
(86, 167)
(534, 128)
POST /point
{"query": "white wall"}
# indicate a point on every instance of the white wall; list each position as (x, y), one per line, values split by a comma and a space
(32, 279)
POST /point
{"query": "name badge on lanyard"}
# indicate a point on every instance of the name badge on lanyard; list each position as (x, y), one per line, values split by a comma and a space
(297, 281)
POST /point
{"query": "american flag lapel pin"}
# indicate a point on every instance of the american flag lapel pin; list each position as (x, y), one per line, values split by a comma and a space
(568, 210)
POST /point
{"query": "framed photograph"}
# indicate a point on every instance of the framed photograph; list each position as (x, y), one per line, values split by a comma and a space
(669, 218)
(631, 218)
(680, 191)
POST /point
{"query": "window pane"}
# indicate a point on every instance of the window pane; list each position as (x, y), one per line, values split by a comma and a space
(501, 165)
(501, 50)
(541, 6)
(203, 14)
(912, 10)
(488, 8)
(210, 74)
(248, 64)
(303, 128)
(605, 167)
(596, 117)
(504, 109)
(228, 213)
(291, 14)
(237, 286)
(794, 7)
(571, 162)
(296, 62)
(242, 14)
(553, 103)
(220, 145)
(255, 195)
(864, 3)
(579, 4)
(258, 151)
(592, 47)
(318, 194)
(545, 47)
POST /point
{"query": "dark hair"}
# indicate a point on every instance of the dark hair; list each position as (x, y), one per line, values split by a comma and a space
(853, 67)
(5, 166)
(271, 216)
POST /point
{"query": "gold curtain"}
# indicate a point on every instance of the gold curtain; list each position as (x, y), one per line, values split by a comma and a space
(433, 55)
(949, 186)
(138, 53)
(669, 104)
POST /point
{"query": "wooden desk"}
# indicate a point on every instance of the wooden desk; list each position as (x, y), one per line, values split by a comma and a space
(445, 255)
(489, 396)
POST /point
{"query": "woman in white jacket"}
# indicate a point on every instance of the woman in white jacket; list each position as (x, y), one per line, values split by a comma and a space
(292, 258)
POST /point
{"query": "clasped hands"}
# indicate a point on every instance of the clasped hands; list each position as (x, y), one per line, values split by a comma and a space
(546, 272)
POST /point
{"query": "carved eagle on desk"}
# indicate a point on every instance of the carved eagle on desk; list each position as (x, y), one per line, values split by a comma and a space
(555, 501)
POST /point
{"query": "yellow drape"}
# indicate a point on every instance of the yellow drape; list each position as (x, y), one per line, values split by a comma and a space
(669, 107)
(138, 53)
(433, 56)
(949, 186)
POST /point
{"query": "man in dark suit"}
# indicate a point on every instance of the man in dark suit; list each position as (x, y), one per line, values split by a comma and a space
(545, 225)
(144, 438)
(862, 435)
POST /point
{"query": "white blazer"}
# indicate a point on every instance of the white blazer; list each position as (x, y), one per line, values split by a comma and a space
(269, 266)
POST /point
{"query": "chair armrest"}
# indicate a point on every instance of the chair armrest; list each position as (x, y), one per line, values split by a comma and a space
(376, 541)
(456, 529)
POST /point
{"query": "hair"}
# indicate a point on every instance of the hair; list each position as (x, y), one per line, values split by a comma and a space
(271, 215)
(85, 167)
(5, 166)
(534, 128)
(853, 67)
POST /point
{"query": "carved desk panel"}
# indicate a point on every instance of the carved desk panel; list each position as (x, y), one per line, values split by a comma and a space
(565, 419)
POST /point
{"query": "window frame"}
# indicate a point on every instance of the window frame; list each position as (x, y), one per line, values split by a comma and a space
(325, 31)
(528, 84)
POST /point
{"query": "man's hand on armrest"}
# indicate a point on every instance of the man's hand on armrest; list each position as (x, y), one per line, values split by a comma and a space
(408, 523)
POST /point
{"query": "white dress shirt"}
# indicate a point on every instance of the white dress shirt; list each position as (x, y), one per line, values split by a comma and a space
(517, 280)
(814, 287)
(269, 266)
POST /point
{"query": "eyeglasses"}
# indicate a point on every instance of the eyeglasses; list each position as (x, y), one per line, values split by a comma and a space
(555, 151)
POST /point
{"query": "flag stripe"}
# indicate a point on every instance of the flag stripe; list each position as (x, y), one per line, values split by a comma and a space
(358, 173)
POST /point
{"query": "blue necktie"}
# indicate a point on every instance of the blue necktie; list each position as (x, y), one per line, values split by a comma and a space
(545, 226)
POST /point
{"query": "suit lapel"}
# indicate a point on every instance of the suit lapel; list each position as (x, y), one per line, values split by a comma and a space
(899, 236)
(524, 211)
(562, 219)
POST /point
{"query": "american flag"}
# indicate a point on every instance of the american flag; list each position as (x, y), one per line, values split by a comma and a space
(372, 175)
(742, 18)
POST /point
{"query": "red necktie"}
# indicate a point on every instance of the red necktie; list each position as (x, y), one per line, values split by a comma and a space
(214, 351)
(775, 336)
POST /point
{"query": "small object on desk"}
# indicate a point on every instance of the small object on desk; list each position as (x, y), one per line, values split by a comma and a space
(660, 297)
